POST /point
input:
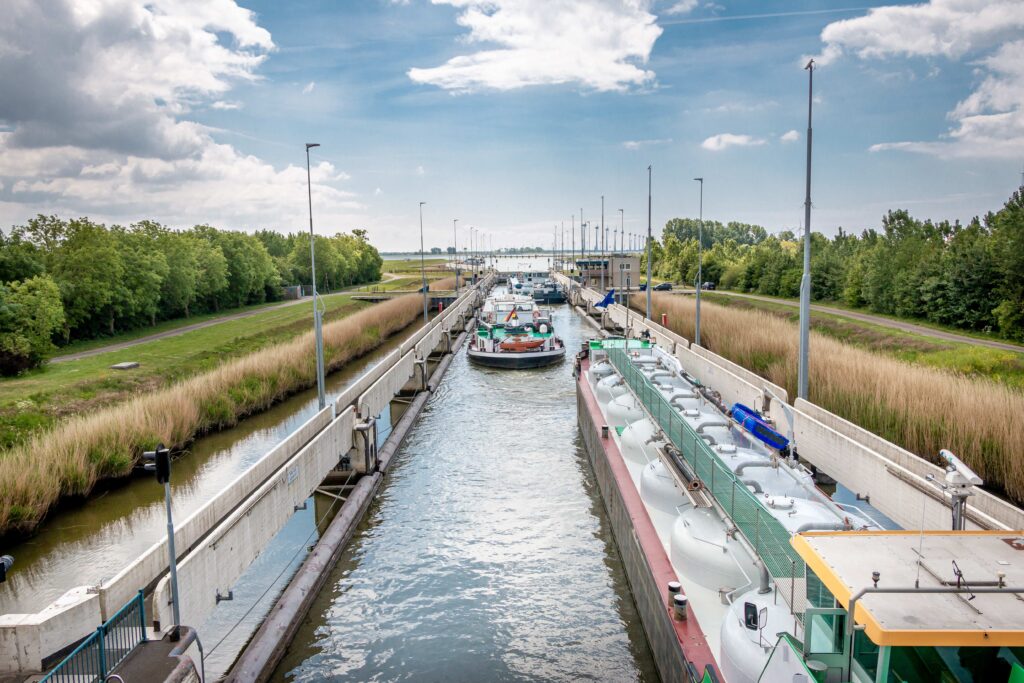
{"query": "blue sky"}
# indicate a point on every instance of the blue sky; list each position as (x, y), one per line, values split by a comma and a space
(510, 115)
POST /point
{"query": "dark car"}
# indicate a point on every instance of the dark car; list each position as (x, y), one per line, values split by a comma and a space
(643, 286)
(710, 286)
(663, 287)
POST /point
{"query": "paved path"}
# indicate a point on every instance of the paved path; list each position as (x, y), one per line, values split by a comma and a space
(882, 321)
(117, 346)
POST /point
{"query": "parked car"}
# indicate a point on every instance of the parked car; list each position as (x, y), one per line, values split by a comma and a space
(663, 287)
(643, 286)
(710, 286)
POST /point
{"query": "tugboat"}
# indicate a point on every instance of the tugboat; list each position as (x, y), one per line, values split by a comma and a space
(515, 333)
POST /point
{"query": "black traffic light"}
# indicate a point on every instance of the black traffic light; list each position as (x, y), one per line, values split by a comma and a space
(159, 461)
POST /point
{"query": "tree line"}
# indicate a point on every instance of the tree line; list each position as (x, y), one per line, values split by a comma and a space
(966, 276)
(66, 280)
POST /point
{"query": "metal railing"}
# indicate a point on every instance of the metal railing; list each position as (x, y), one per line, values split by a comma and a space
(105, 648)
(764, 533)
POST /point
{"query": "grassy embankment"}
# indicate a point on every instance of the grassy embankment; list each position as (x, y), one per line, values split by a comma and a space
(920, 408)
(1000, 365)
(70, 458)
(39, 399)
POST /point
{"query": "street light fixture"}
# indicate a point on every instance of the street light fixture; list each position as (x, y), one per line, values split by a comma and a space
(700, 260)
(455, 258)
(805, 281)
(650, 285)
(317, 313)
(423, 269)
(622, 229)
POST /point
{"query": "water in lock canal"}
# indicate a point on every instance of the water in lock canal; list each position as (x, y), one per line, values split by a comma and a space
(487, 555)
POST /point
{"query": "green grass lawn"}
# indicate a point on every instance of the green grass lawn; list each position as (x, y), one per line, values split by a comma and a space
(1002, 366)
(36, 399)
(412, 265)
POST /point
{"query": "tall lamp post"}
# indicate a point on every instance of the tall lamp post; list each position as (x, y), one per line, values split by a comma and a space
(650, 285)
(317, 323)
(455, 245)
(700, 260)
(423, 270)
(604, 264)
(622, 230)
(805, 281)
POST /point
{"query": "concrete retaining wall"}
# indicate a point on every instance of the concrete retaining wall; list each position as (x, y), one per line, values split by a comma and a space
(375, 399)
(26, 640)
(746, 375)
(217, 563)
(732, 388)
(151, 564)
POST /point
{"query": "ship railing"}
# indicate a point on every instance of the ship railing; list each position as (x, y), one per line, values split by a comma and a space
(765, 534)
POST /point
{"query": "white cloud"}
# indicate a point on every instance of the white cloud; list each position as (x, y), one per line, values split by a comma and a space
(96, 106)
(378, 192)
(637, 144)
(419, 170)
(226, 106)
(717, 143)
(989, 122)
(309, 87)
(790, 136)
(598, 44)
(683, 7)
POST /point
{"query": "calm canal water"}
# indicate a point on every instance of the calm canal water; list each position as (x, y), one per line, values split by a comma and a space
(487, 555)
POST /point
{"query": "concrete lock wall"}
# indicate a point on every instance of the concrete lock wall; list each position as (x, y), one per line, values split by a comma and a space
(987, 510)
(744, 374)
(148, 566)
(217, 563)
(376, 398)
(33, 637)
(27, 639)
(866, 472)
(733, 389)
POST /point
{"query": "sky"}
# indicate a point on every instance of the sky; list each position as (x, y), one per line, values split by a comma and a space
(512, 116)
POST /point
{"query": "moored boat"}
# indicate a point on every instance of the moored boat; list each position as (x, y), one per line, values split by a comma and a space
(514, 333)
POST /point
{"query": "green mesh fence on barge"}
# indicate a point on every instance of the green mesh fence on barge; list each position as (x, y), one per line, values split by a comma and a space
(765, 533)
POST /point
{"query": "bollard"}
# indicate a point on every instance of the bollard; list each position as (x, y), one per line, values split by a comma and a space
(674, 589)
(679, 607)
(440, 306)
(664, 320)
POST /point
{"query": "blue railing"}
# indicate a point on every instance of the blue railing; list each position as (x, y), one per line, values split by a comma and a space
(105, 648)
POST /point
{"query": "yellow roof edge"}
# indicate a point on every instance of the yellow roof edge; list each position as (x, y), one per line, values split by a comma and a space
(910, 532)
(880, 635)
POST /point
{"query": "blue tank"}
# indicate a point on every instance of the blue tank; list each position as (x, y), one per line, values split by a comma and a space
(752, 421)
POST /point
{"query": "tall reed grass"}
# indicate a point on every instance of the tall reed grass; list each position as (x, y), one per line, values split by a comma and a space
(919, 408)
(445, 284)
(69, 459)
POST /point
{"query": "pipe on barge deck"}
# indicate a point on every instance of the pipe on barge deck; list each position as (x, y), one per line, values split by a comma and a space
(680, 649)
(265, 651)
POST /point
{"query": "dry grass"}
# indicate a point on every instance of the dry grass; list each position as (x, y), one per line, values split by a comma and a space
(922, 409)
(445, 284)
(69, 459)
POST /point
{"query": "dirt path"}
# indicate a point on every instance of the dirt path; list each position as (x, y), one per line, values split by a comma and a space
(117, 346)
(881, 321)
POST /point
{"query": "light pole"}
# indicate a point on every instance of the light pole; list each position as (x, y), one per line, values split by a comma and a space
(805, 281)
(317, 323)
(622, 229)
(455, 259)
(423, 270)
(700, 260)
(159, 462)
(650, 285)
(572, 246)
(604, 265)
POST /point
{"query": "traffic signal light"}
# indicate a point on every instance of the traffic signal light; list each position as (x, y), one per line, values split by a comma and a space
(159, 461)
